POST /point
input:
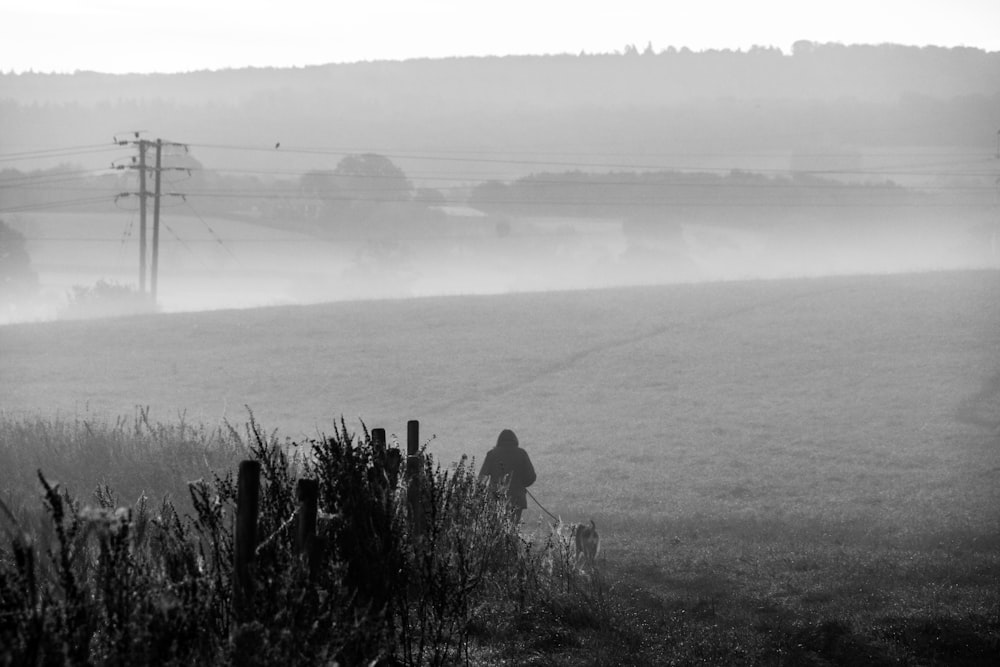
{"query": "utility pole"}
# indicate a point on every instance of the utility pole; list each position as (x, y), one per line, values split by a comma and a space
(156, 225)
(142, 215)
(143, 194)
(143, 146)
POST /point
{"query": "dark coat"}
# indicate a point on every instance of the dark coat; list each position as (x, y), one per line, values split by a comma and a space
(507, 459)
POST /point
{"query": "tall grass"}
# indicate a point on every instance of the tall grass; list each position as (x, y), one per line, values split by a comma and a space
(437, 574)
(405, 573)
(132, 455)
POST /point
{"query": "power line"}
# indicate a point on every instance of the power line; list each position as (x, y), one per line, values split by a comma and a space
(588, 178)
(180, 240)
(214, 241)
(661, 195)
(127, 232)
(605, 203)
(911, 169)
(625, 202)
(489, 157)
(212, 231)
(57, 152)
(416, 154)
(361, 193)
(58, 204)
(496, 157)
(48, 179)
(637, 179)
(550, 184)
(305, 240)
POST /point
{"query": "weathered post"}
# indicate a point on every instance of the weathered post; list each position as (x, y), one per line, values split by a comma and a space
(247, 509)
(307, 492)
(412, 437)
(378, 440)
(413, 477)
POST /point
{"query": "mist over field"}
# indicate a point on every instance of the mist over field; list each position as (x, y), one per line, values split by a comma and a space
(494, 175)
(262, 266)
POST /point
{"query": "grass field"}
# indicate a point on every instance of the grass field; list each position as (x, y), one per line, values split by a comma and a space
(757, 455)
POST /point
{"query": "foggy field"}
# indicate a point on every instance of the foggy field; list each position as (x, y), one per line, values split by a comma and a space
(208, 263)
(818, 447)
(733, 281)
(779, 397)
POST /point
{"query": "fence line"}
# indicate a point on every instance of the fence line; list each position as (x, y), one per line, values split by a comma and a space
(307, 544)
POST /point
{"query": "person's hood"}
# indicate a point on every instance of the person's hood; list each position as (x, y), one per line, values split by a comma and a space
(507, 439)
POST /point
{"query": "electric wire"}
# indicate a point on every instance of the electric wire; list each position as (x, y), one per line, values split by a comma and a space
(213, 234)
(59, 152)
(663, 180)
(64, 154)
(480, 159)
(48, 179)
(648, 180)
(413, 154)
(662, 200)
(57, 204)
(607, 203)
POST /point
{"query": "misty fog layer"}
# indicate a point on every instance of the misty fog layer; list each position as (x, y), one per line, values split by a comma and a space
(265, 267)
(492, 175)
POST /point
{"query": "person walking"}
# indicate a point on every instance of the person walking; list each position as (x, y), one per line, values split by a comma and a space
(509, 464)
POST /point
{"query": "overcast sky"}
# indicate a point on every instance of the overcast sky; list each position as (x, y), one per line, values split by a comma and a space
(181, 35)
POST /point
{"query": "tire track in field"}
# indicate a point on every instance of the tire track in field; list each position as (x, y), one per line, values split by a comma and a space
(574, 358)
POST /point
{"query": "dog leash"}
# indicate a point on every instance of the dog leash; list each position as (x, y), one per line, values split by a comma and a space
(542, 506)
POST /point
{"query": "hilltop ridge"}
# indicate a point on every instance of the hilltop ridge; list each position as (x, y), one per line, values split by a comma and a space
(818, 98)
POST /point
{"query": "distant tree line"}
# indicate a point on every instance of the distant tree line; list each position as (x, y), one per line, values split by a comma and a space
(70, 184)
(647, 101)
(364, 191)
(657, 196)
(369, 193)
(812, 70)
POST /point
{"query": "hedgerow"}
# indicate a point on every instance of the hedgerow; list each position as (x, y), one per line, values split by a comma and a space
(411, 562)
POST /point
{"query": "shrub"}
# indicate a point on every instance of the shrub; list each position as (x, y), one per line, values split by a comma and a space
(106, 299)
(17, 279)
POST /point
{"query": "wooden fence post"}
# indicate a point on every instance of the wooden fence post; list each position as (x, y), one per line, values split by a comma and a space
(413, 477)
(412, 437)
(378, 440)
(247, 509)
(307, 492)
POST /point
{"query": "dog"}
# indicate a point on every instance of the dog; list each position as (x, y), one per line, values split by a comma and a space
(588, 544)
